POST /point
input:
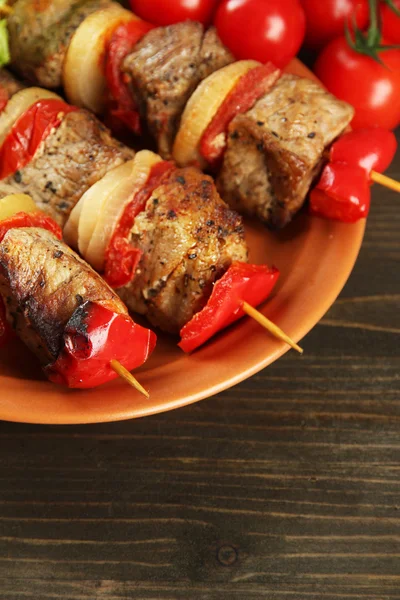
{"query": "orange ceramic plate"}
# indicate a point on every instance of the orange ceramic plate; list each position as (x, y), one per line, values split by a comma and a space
(315, 258)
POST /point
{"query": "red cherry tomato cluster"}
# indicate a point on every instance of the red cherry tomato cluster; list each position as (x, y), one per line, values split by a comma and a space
(361, 67)
(264, 30)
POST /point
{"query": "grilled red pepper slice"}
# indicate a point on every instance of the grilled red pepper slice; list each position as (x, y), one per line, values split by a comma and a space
(241, 282)
(251, 86)
(342, 193)
(94, 336)
(32, 127)
(371, 149)
(32, 219)
(122, 106)
(121, 259)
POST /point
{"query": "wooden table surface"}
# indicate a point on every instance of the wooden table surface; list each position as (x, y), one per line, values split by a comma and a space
(284, 487)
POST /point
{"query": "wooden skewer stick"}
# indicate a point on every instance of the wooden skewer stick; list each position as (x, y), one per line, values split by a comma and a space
(128, 377)
(388, 182)
(269, 326)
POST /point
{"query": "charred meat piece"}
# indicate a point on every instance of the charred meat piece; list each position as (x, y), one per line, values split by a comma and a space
(188, 237)
(40, 32)
(276, 149)
(8, 87)
(164, 69)
(68, 162)
(42, 283)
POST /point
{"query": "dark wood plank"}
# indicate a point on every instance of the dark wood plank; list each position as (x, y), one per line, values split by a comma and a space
(285, 487)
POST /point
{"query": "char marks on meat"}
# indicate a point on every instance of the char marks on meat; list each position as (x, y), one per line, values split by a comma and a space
(42, 283)
(276, 149)
(188, 237)
(40, 32)
(164, 69)
(68, 162)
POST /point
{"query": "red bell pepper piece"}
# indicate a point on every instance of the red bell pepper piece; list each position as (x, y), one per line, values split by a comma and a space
(121, 259)
(371, 149)
(32, 219)
(94, 336)
(32, 127)
(241, 282)
(342, 193)
(251, 86)
(122, 105)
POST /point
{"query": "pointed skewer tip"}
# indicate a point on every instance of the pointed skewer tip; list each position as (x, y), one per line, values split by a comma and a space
(128, 377)
(270, 326)
(388, 182)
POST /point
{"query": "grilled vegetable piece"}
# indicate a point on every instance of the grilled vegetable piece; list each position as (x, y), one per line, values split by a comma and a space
(40, 32)
(188, 237)
(164, 69)
(8, 87)
(42, 283)
(276, 149)
(69, 161)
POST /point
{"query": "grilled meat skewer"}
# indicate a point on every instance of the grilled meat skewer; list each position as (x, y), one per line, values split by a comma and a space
(276, 150)
(186, 234)
(48, 291)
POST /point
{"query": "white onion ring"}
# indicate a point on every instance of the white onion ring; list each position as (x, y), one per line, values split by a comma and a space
(201, 108)
(83, 70)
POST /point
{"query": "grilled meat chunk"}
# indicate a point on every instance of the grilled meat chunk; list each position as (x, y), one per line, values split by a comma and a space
(8, 86)
(69, 161)
(40, 32)
(188, 237)
(42, 283)
(164, 69)
(276, 149)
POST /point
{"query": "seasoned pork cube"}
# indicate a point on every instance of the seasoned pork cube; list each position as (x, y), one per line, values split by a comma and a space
(188, 237)
(164, 69)
(68, 162)
(42, 283)
(276, 149)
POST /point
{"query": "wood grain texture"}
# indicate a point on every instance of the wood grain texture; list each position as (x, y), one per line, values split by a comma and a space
(286, 487)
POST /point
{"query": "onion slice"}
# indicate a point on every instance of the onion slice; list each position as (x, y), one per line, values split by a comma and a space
(15, 203)
(83, 71)
(201, 108)
(92, 221)
(18, 104)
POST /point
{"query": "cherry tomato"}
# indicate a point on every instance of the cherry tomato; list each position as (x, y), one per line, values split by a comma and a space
(161, 12)
(264, 30)
(373, 89)
(391, 23)
(326, 20)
